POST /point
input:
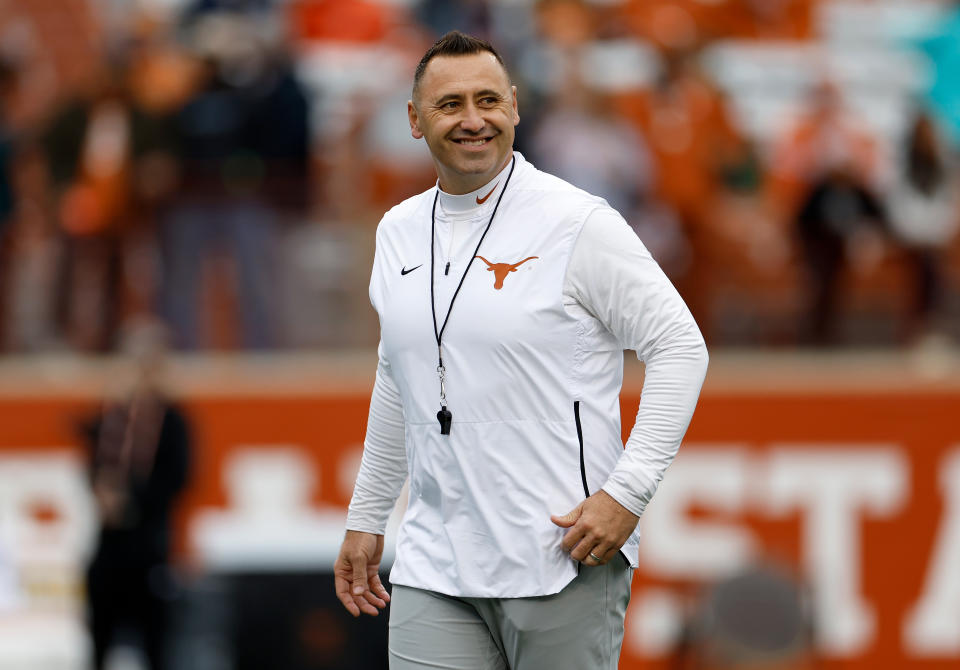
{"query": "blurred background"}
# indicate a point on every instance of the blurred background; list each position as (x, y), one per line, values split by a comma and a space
(189, 191)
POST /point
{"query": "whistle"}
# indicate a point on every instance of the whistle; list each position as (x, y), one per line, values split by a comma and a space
(445, 418)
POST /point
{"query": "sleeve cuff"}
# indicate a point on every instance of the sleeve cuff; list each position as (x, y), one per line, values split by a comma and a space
(626, 495)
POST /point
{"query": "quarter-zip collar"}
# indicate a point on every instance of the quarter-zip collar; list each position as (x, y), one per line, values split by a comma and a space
(475, 202)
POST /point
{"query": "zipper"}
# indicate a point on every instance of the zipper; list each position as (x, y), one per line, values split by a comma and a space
(583, 467)
(583, 470)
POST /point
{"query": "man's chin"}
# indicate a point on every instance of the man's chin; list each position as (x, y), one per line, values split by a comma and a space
(474, 168)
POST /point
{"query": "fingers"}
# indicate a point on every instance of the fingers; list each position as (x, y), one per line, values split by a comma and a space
(585, 535)
(599, 556)
(592, 551)
(569, 518)
(377, 587)
(356, 579)
(599, 525)
(375, 594)
(358, 564)
(367, 606)
(368, 601)
(342, 585)
(367, 596)
(580, 541)
(573, 538)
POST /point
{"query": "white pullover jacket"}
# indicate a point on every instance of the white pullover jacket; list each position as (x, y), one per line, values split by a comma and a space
(533, 356)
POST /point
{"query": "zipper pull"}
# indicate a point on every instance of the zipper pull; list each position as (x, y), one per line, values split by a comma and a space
(447, 271)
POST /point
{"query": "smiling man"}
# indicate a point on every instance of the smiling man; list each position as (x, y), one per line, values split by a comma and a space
(466, 110)
(506, 297)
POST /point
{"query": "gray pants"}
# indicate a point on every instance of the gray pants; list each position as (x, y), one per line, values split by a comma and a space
(580, 628)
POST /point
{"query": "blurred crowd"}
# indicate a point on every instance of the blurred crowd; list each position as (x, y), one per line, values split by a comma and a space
(221, 164)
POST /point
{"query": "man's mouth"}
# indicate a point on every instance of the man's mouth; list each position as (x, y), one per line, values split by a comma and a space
(473, 142)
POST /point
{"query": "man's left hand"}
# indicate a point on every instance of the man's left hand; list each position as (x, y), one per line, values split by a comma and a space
(598, 528)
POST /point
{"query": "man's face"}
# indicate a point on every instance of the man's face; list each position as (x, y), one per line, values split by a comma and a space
(466, 110)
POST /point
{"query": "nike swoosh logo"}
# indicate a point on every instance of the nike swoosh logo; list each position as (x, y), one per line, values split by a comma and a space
(482, 200)
(405, 271)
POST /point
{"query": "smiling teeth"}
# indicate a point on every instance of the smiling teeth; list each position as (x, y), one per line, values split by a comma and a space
(474, 143)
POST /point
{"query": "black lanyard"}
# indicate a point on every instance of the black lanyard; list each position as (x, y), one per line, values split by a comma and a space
(444, 416)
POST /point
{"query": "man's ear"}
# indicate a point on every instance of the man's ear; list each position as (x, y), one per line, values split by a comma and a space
(414, 121)
(516, 110)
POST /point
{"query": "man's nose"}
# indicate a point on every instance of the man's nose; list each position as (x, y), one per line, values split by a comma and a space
(471, 120)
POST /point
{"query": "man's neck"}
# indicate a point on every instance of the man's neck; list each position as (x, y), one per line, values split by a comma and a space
(478, 199)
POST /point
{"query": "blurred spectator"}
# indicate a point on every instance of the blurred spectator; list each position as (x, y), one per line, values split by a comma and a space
(552, 63)
(566, 24)
(469, 16)
(33, 262)
(89, 147)
(692, 138)
(341, 20)
(764, 19)
(197, 7)
(824, 175)
(838, 218)
(139, 450)
(671, 25)
(827, 136)
(924, 216)
(580, 140)
(161, 76)
(8, 84)
(243, 141)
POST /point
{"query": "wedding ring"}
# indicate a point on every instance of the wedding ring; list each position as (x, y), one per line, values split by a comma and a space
(595, 557)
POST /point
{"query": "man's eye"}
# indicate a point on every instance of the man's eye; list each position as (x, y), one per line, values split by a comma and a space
(488, 101)
(450, 105)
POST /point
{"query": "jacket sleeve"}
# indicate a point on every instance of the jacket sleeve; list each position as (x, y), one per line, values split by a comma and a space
(383, 468)
(613, 276)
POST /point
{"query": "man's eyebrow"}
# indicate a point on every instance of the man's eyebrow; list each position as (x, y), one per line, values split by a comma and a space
(487, 92)
(449, 96)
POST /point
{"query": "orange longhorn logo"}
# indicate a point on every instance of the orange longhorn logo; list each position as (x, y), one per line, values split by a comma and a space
(500, 270)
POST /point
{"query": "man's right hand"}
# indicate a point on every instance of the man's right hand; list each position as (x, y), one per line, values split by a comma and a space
(356, 574)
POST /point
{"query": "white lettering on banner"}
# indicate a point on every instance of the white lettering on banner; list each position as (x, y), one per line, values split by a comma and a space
(47, 532)
(269, 522)
(46, 509)
(673, 545)
(834, 484)
(932, 628)
(656, 621)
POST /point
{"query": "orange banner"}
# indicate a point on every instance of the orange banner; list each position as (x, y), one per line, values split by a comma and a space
(854, 494)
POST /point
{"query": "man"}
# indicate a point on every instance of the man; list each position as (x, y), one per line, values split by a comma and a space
(139, 464)
(506, 297)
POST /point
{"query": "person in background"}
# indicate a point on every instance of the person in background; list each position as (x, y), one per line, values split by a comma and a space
(691, 133)
(139, 452)
(243, 158)
(88, 146)
(579, 140)
(824, 177)
(838, 213)
(8, 85)
(924, 210)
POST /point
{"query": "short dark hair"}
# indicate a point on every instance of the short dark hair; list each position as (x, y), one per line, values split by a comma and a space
(454, 43)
